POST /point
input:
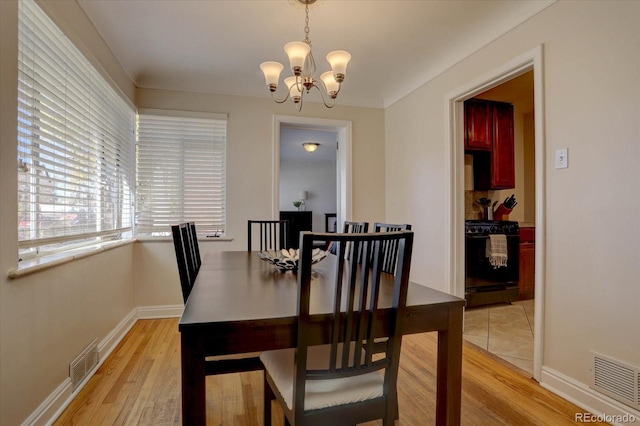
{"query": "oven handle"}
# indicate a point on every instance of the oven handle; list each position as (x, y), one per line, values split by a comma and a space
(487, 236)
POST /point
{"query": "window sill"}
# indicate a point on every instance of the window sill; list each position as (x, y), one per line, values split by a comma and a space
(149, 239)
(30, 266)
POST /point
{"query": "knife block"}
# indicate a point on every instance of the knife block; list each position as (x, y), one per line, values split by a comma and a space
(501, 213)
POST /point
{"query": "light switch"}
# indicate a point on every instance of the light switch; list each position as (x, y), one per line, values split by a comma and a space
(562, 160)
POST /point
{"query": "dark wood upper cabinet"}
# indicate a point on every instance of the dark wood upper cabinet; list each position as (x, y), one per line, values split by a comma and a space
(502, 158)
(478, 129)
(489, 123)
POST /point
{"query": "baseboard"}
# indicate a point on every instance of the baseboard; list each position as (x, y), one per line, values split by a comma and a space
(62, 396)
(163, 311)
(52, 406)
(111, 340)
(590, 400)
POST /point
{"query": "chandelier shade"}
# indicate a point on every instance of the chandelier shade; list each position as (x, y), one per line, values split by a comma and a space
(297, 52)
(271, 72)
(295, 92)
(303, 67)
(330, 83)
(338, 60)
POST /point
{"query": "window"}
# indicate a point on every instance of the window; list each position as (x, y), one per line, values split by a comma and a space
(181, 171)
(75, 144)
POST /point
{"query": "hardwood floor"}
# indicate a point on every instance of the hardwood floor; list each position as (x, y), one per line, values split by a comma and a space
(139, 384)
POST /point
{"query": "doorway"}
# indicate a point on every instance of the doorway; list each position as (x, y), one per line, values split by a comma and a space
(530, 62)
(308, 178)
(342, 132)
(506, 329)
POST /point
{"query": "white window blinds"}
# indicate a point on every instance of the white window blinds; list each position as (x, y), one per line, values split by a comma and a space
(181, 171)
(75, 143)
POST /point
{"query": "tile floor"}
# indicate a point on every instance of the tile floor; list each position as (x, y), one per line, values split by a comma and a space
(504, 330)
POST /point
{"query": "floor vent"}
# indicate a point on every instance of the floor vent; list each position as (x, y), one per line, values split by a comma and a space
(83, 364)
(616, 379)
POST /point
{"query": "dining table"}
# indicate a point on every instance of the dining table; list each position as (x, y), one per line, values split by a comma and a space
(241, 304)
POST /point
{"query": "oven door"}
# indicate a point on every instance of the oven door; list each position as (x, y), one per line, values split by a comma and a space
(480, 274)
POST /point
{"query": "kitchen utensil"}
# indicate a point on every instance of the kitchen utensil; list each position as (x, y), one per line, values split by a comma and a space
(484, 203)
(510, 202)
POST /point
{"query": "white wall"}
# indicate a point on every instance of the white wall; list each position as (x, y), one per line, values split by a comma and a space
(318, 178)
(592, 92)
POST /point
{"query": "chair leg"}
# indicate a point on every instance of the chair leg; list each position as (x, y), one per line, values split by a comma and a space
(396, 414)
(268, 397)
(392, 413)
(390, 417)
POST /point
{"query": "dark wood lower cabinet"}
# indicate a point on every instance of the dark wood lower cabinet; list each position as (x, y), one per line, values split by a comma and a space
(527, 263)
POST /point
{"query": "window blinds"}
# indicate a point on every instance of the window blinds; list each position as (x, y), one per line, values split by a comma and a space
(75, 142)
(181, 171)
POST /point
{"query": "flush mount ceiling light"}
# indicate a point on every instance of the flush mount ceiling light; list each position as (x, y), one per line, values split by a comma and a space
(310, 146)
(303, 67)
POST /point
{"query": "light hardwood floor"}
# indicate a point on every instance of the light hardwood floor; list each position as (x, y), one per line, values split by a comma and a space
(139, 384)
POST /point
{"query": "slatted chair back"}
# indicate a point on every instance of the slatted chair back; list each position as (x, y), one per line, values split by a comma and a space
(390, 248)
(355, 228)
(272, 234)
(189, 253)
(180, 244)
(356, 321)
(195, 247)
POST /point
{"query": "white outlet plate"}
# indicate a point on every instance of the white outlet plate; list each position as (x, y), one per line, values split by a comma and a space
(562, 160)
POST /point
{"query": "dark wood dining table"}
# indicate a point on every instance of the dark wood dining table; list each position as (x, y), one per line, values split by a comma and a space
(241, 304)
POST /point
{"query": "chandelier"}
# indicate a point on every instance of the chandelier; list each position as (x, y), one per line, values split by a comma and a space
(303, 67)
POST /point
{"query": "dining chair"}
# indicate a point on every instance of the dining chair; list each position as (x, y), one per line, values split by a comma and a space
(390, 248)
(272, 234)
(343, 382)
(195, 248)
(185, 271)
(235, 363)
(355, 228)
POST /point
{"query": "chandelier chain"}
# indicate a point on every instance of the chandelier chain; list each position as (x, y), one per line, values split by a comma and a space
(306, 25)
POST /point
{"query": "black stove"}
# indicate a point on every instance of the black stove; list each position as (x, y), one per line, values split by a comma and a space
(486, 227)
(484, 283)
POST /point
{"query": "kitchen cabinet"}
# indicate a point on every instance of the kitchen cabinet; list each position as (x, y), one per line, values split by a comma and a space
(298, 221)
(527, 262)
(489, 139)
(478, 128)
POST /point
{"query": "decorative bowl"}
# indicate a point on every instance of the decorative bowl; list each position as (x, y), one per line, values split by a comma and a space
(287, 260)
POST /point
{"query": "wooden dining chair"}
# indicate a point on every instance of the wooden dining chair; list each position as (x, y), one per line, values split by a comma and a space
(272, 234)
(183, 258)
(390, 248)
(355, 228)
(235, 363)
(195, 248)
(343, 382)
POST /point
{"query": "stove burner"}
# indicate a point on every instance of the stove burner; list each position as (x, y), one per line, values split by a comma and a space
(486, 227)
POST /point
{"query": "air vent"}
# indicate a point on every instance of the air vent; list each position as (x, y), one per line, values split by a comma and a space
(82, 365)
(616, 379)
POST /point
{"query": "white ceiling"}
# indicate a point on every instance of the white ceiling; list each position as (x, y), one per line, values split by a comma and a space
(292, 138)
(216, 46)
